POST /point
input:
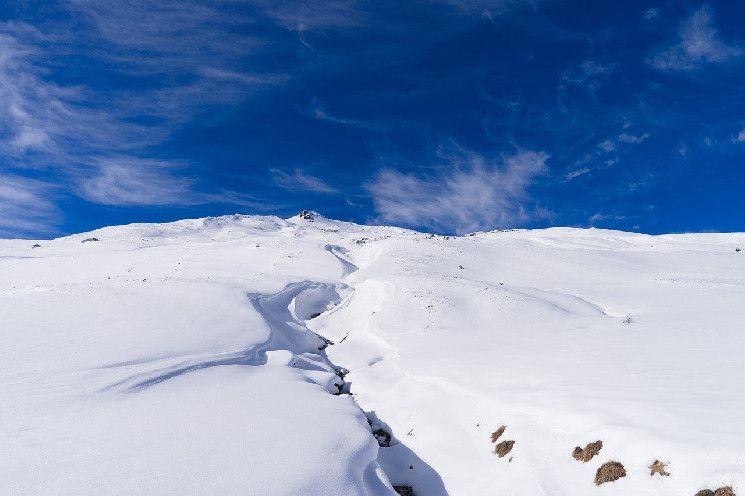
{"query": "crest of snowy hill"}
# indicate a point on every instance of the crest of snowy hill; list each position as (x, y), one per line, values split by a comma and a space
(256, 355)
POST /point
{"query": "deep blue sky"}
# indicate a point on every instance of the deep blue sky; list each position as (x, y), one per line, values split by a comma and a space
(442, 115)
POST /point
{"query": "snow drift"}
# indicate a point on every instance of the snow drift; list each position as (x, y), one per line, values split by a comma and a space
(216, 356)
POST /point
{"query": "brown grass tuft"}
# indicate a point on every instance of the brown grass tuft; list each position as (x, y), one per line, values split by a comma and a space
(658, 467)
(587, 454)
(609, 472)
(503, 448)
(497, 434)
(724, 491)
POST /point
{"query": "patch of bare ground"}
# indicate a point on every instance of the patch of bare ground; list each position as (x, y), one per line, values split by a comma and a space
(589, 451)
(504, 448)
(609, 472)
(722, 491)
(659, 468)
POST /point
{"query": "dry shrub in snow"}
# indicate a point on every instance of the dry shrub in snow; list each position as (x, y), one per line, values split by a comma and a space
(658, 467)
(586, 454)
(503, 448)
(722, 491)
(609, 472)
(497, 434)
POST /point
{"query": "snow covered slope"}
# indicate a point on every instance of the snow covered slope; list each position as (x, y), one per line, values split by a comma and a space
(197, 358)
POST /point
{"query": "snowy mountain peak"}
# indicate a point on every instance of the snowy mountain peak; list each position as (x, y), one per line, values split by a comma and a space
(308, 215)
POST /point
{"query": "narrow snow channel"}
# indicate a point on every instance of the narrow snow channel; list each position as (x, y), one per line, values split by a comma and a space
(286, 313)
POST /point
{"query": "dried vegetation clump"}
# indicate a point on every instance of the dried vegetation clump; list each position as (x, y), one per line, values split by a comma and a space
(659, 468)
(589, 451)
(722, 491)
(609, 472)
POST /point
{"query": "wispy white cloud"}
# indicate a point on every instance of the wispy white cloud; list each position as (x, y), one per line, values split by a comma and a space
(574, 174)
(134, 181)
(740, 138)
(301, 181)
(168, 35)
(631, 138)
(698, 43)
(188, 56)
(25, 206)
(56, 123)
(595, 218)
(467, 192)
(589, 72)
(683, 150)
(486, 8)
(605, 154)
(651, 14)
(587, 77)
(607, 146)
(301, 15)
(319, 112)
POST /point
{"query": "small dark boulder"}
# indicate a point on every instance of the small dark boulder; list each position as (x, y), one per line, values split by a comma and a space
(383, 438)
(404, 490)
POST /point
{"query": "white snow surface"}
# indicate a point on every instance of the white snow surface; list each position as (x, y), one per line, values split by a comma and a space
(186, 359)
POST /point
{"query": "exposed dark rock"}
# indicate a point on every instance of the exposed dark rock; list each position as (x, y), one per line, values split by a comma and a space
(326, 343)
(90, 240)
(404, 490)
(383, 438)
